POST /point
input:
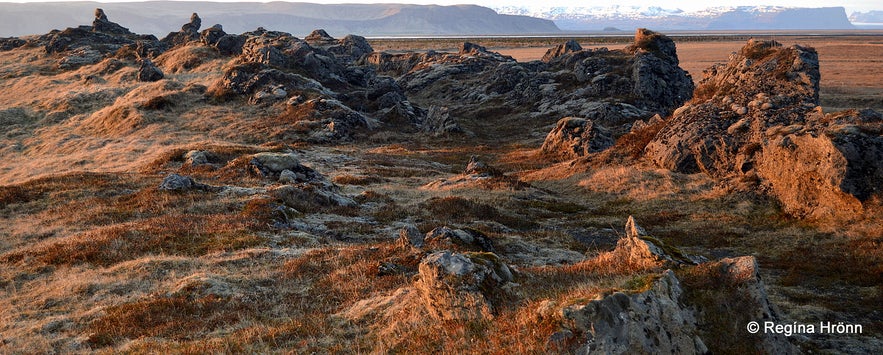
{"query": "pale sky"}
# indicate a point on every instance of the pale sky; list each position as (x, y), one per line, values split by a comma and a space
(851, 6)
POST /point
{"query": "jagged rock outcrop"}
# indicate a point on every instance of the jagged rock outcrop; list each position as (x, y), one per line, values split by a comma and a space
(456, 286)
(189, 32)
(613, 88)
(7, 44)
(652, 321)
(828, 170)
(149, 72)
(437, 120)
(284, 51)
(104, 25)
(757, 119)
(561, 49)
(575, 137)
(351, 48)
(226, 44)
(640, 250)
(671, 315)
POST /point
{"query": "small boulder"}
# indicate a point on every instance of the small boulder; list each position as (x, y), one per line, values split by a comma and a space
(283, 166)
(210, 36)
(175, 182)
(149, 72)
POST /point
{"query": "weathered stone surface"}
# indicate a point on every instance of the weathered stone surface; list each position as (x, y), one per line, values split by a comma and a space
(615, 86)
(457, 286)
(351, 48)
(210, 36)
(744, 274)
(275, 165)
(575, 137)
(638, 249)
(653, 321)
(79, 57)
(7, 44)
(757, 119)
(438, 121)
(249, 78)
(320, 38)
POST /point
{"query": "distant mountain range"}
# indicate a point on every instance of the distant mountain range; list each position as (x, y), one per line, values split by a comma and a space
(161, 17)
(715, 18)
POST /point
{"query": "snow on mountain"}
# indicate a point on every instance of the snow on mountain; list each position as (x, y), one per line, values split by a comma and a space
(722, 17)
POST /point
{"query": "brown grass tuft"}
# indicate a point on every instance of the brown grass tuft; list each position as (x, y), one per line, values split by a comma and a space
(176, 318)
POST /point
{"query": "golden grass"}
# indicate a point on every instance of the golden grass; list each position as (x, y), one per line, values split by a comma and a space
(93, 257)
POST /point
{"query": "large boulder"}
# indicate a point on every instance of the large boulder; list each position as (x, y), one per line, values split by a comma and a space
(764, 85)
(456, 286)
(825, 172)
(575, 137)
(351, 48)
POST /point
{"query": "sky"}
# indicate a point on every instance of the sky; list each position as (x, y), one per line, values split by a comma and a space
(851, 6)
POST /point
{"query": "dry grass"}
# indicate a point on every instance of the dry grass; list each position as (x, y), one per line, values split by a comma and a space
(94, 258)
